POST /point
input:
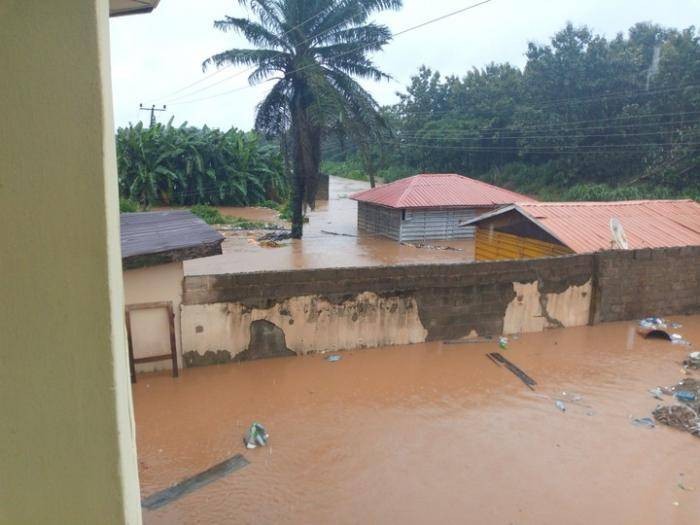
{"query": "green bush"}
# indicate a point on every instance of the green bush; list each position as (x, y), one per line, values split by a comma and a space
(212, 216)
(208, 214)
(128, 205)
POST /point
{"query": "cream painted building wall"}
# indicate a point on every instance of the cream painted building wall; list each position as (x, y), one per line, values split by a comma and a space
(67, 444)
(150, 332)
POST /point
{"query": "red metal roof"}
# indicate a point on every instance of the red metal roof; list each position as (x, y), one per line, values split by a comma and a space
(585, 226)
(439, 191)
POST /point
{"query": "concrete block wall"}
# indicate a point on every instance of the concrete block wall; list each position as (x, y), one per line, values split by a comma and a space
(346, 308)
(641, 283)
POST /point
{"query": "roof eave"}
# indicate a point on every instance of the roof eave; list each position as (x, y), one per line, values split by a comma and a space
(514, 207)
(136, 8)
(147, 260)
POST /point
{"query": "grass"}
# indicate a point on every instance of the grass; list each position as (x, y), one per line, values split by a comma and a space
(211, 215)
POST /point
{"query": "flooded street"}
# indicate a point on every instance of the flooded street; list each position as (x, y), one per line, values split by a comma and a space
(431, 433)
(330, 240)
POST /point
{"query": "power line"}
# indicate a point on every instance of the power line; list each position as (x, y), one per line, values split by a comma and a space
(403, 32)
(564, 124)
(153, 110)
(466, 136)
(172, 97)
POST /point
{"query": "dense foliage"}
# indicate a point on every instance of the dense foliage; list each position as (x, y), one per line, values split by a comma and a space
(311, 49)
(186, 165)
(586, 118)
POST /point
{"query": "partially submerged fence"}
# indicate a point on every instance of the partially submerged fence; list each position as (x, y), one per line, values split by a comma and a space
(330, 309)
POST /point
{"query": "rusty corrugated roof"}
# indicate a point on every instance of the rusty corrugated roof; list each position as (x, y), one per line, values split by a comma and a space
(178, 233)
(439, 191)
(585, 226)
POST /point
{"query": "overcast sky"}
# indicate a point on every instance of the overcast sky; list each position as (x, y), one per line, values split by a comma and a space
(156, 55)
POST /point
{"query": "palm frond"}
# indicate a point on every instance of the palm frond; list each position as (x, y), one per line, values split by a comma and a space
(254, 32)
(246, 57)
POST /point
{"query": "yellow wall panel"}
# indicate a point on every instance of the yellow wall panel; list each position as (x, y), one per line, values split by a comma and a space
(492, 246)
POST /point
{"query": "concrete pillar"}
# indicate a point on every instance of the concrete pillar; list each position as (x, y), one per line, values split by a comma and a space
(67, 447)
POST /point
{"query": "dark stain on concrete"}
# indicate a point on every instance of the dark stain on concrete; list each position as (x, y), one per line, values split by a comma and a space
(195, 359)
(266, 340)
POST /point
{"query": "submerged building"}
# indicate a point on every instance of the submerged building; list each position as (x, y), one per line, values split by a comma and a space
(429, 206)
(539, 229)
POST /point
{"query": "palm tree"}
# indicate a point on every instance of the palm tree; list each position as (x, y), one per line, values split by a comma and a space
(311, 49)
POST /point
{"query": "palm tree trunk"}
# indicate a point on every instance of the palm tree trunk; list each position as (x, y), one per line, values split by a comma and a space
(306, 139)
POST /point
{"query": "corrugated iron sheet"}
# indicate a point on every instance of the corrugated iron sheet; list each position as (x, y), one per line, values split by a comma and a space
(585, 226)
(162, 231)
(439, 191)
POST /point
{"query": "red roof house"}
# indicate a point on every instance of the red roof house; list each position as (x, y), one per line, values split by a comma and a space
(585, 227)
(429, 206)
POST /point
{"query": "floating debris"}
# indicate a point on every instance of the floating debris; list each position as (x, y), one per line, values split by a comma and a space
(338, 234)
(277, 236)
(678, 416)
(503, 343)
(469, 340)
(685, 396)
(500, 360)
(560, 405)
(677, 339)
(693, 360)
(256, 436)
(644, 422)
(431, 247)
(334, 358)
(654, 327)
(656, 393)
(190, 484)
(683, 487)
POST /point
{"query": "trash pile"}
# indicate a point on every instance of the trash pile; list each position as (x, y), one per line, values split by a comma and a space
(256, 436)
(280, 235)
(657, 327)
(422, 246)
(685, 413)
(693, 361)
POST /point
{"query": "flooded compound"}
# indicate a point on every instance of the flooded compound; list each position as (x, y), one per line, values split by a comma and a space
(331, 240)
(430, 433)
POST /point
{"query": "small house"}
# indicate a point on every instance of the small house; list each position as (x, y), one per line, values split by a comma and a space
(429, 207)
(154, 246)
(541, 229)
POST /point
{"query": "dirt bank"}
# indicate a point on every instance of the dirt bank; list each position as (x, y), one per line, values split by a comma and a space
(431, 433)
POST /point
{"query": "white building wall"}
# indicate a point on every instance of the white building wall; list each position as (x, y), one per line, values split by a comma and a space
(150, 328)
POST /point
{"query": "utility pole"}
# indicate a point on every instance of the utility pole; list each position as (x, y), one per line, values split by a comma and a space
(152, 109)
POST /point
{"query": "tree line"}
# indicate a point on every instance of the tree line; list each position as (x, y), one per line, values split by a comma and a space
(586, 118)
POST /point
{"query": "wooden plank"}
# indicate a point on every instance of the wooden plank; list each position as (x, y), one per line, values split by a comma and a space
(215, 473)
(168, 306)
(132, 366)
(529, 382)
(148, 306)
(152, 358)
(173, 343)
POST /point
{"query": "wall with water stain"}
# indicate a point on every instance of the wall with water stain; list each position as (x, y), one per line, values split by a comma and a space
(327, 310)
(333, 309)
(310, 323)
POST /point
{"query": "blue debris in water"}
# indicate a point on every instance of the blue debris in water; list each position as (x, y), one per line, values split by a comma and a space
(334, 358)
(560, 405)
(685, 396)
(644, 422)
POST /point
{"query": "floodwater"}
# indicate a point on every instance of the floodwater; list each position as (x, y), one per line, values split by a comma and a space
(432, 433)
(331, 240)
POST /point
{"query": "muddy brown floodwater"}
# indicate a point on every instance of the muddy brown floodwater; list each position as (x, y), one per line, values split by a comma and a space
(431, 433)
(330, 240)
